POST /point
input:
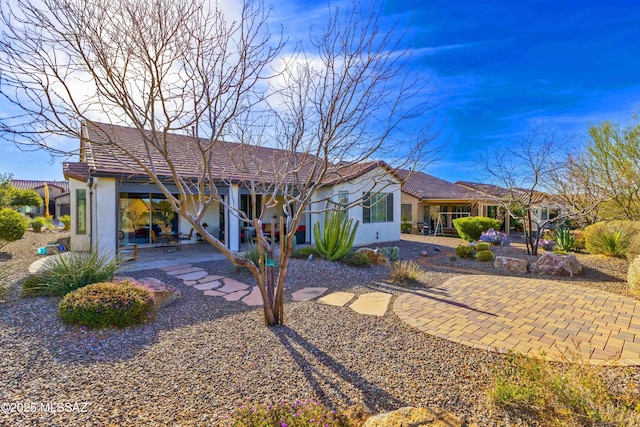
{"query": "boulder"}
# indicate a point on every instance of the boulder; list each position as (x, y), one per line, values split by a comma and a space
(515, 265)
(418, 417)
(163, 294)
(375, 257)
(557, 265)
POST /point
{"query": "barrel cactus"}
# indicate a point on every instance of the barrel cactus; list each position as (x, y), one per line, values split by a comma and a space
(485, 256)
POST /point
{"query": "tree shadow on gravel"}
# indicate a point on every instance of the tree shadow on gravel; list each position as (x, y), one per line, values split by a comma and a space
(329, 391)
(5, 256)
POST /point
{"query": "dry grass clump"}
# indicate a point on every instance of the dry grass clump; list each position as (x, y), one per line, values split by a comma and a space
(407, 273)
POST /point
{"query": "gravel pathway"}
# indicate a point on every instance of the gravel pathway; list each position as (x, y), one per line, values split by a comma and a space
(205, 356)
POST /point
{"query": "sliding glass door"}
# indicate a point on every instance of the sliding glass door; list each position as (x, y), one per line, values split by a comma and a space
(141, 212)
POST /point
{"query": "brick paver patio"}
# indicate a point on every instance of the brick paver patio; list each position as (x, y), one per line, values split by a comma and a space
(529, 316)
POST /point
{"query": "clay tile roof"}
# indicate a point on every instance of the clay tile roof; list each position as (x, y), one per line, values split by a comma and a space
(515, 193)
(26, 184)
(424, 187)
(490, 189)
(228, 162)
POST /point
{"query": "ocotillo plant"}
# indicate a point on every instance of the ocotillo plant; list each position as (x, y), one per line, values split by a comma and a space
(338, 236)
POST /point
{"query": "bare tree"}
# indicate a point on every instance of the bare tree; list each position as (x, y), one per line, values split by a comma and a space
(535, 171)
(170, 67)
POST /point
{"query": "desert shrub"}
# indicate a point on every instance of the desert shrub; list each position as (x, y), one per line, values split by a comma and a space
(568, 394)
(465, 251)
(252, 254)
(357, 259)
(470, 228)
(485, 256)
(407, 272)
(303, 253)
(546, 244)
(300, 413)
(101, 305)
(565, 240)
(38, 223)
(493, 237)
(12, 226)
(579, 236)
(66, 220)
(483, 246)
(392, 253)
(612, 238)
(633, 274)
(68, 272)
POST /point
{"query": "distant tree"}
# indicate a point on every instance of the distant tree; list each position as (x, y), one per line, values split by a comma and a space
(611, 164)
(14, 198)
(535, 171)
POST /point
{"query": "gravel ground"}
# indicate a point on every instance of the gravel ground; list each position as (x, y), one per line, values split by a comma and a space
(205, 356)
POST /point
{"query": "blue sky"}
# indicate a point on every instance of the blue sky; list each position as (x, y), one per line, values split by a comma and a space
(504, 65)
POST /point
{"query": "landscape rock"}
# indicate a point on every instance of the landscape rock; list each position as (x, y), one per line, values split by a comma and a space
(163, 294)
(375, 257)
(515, 265)
(557, 265)
(418, 417)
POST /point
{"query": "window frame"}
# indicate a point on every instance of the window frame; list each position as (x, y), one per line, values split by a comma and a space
(81, 211)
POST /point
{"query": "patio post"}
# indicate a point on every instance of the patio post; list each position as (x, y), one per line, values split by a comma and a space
(233, 229)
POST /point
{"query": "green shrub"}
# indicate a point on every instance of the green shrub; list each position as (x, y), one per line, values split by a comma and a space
(565, 240)
(66, 220)
(12, 226)
(453, 258)
(303, 253)
(483, 246)
(300, 413)
(38, 223)
(252, 254)
(101, 305)
(68, 272)
(471, 227)
(392, 253)
(406, 227)
(407, 272)
(357, 259)
(485, 256)
(568, 394)
(465, 251)
(612, 238)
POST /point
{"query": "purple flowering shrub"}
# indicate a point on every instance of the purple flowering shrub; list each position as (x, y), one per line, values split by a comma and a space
(546, 244)
(496, 238)
(302, 413)
(105, 304)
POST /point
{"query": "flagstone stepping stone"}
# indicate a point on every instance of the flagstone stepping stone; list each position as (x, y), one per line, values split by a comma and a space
(372, 304)
(190, 282)
(210, 278)
(193, 276)
(183, 271)
(235, 296)
(215, 293)
(175, 267)
(207, 286)
(231, 285)
(307, 293)
(254, 298)
(338, 299)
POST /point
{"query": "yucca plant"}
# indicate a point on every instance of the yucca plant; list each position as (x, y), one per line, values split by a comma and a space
(69, 272)
(338, 235)
(613, 244)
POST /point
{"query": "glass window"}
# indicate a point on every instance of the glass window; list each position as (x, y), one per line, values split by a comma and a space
(406, 212)
(378, 207)
(246, 205)
(81, 211)
(141, 212)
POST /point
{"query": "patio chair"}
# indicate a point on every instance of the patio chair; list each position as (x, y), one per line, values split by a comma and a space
(185, 237)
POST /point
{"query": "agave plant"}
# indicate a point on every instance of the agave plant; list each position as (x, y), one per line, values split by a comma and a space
(338, 235)
(565, 240)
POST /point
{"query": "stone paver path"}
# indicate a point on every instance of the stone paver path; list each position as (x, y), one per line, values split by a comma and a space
(372, 304)
(339, 299)
(307, 294)
(529, 316)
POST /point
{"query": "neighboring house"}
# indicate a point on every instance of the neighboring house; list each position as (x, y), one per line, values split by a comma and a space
(545, 206)
(58, 197)
(431, 204)
(112, 204)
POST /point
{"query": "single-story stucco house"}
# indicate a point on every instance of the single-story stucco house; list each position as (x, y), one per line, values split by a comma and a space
(431, 204)
(113, 204)
(58, 197)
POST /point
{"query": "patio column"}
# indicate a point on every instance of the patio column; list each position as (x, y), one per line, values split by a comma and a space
(233, 229)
